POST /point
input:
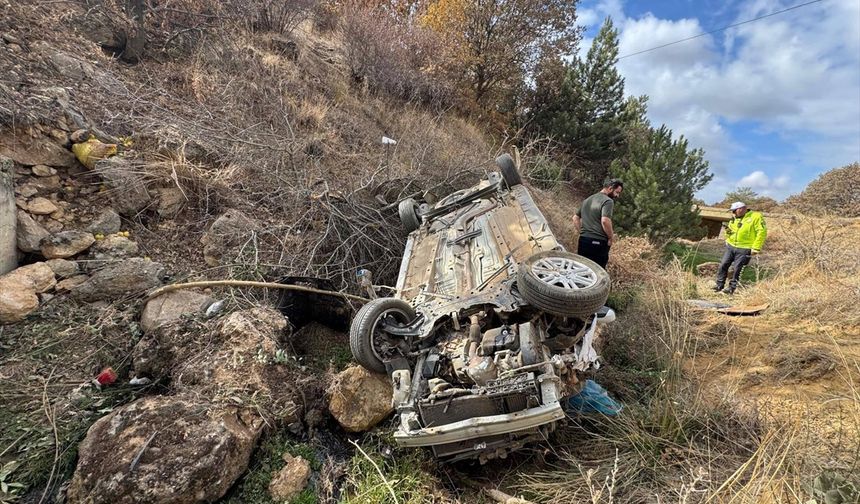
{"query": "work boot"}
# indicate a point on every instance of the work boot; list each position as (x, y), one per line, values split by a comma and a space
(730, 291)
(717, 288)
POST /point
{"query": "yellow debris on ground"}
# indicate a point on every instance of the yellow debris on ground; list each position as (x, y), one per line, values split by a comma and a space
(93, 150)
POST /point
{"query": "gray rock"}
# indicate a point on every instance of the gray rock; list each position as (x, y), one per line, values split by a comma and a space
(127, 187)
(170, 201)
(30, 233)
(114, 247)
(63, 268)
(164, 449)
(29, 151)
(106, 222)
(228, 231)
(66, 244)
(127, 277)
(172, 306)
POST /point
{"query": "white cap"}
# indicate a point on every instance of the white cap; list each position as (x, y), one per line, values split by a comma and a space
(736, 205)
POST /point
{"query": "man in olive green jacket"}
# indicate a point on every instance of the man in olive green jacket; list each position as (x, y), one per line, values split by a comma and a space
(745, 235)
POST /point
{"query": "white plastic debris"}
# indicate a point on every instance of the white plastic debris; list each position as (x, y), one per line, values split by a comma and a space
(388, 141)
(139, 381)
(215, 308)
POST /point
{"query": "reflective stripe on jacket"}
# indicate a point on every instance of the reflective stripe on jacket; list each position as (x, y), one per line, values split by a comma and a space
(747, 232)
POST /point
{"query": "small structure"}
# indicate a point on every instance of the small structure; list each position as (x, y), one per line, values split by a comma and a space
(713, 218)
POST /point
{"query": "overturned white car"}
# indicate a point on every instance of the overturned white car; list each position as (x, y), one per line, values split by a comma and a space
(491, 324)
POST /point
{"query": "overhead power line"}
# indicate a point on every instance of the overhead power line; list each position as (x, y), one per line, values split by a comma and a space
(720, 29)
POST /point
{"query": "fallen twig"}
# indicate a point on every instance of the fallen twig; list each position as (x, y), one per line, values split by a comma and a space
(143, 448)
(247, 283)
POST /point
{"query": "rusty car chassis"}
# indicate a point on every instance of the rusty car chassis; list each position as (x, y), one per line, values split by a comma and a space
(491, 324)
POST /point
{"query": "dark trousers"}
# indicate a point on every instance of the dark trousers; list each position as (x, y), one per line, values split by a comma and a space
(595, 249)
(733, 256)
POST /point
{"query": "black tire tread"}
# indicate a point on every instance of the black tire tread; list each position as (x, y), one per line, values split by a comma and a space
(360, 337)
(510, 174)
(562, 302)
(408, 217)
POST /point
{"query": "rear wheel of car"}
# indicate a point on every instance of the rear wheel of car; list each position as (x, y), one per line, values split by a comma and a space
(368, 342)
(408, 210)
(510, 174)
(563, 283)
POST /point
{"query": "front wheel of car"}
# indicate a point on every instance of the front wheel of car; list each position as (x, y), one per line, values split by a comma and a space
(368, 342)
(508, 167)
(563, 283)
(408, 210)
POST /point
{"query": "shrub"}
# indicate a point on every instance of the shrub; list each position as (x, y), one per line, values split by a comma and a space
(392, 56)
(832, 192)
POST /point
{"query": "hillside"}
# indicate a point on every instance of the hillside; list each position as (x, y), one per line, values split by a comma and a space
(251, 154)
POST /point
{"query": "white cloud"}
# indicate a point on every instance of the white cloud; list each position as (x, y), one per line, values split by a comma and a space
(794, 76)
(759, 181)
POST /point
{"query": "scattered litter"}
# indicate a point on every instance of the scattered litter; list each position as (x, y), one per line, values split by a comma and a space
(728, 309)
(106, 377)
(593, 399)
(139, 381)
(92, 150)
(388, 141)
(215, 308)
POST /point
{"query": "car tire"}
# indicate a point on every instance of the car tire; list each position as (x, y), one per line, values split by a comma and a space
(362, 331)
(546, 279)
(408, 210)
(510, 174)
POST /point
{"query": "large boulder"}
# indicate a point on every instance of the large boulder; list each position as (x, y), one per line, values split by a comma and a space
(360, 399)
(164, 450)
(291, 479)
(66, 244)
(30, 233)
(172, 306)
(228, 231)
(130, 276)
(234, 356)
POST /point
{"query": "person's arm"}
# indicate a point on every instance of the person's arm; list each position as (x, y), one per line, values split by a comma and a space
(606, 222)
(760, 235)
(577, 223)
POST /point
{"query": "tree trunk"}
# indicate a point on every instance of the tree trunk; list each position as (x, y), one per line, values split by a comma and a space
(8, 217)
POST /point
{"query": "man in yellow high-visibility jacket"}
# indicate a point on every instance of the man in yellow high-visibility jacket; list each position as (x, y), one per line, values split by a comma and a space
(745, 235)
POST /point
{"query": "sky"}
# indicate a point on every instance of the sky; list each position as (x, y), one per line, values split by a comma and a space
(774, 103)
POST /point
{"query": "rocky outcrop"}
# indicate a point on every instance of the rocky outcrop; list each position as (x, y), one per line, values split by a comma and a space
(127, 277)
(66, 244)
(360, 399)
(171, 306)
(164, 450)
(35, 150)
(291, 479)
(229, 230)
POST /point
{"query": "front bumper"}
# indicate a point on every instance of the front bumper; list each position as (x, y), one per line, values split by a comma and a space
(478, 427)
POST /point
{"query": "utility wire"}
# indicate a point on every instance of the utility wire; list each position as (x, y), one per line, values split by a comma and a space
(720, 29)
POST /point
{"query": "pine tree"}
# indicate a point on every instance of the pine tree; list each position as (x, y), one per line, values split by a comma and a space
(660, 177)
(589, 113)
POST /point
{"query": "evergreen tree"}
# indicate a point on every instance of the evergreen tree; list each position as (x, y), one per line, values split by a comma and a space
(586, 111)
(660, 177)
